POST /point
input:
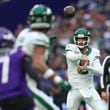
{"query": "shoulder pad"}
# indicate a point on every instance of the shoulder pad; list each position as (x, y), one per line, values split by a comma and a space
(70, 47)
(41, 39)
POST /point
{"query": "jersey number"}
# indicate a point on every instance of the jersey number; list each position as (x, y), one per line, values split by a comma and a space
(5, 69)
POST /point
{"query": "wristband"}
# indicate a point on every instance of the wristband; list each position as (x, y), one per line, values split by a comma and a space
(48, 73)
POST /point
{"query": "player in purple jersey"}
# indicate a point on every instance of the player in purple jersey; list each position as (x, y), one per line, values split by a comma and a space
(7, 40)
(14, 92)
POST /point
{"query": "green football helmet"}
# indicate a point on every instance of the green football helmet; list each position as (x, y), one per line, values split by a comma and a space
(84, 34)
(40, 16)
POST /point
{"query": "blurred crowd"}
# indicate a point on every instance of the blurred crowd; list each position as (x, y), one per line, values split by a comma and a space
(92, 14)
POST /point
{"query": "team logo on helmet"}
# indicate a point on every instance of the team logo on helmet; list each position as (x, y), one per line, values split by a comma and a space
(40, 16)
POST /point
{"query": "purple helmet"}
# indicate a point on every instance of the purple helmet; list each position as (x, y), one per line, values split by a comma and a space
(7, 40)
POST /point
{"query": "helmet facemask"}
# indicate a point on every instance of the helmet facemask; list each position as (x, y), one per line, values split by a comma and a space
(81, 37)
(84, 43)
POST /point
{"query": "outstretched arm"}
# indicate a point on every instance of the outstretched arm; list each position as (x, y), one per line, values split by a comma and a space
(96, 66)
(43, 69)
(72, 53)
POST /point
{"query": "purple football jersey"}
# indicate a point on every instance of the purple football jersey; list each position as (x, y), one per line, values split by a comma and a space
(12, 77)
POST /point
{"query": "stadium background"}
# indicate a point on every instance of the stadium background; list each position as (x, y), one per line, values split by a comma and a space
(17, 10)
(93, 14)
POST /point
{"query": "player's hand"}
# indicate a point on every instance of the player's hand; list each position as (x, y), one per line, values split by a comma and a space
(84, 61)
(64, 85)
(81, 69)
(104, 95)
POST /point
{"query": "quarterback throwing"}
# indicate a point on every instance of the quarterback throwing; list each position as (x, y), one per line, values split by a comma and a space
(83, 62)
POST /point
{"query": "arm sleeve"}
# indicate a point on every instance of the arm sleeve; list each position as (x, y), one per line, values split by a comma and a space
(27, 66)
(106, 73)
(72, 53)
(96, 66)
(72, 56)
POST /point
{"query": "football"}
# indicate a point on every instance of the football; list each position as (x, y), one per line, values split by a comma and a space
(84, 63)
(69, 11)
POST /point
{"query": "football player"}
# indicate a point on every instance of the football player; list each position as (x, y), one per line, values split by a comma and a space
(105, 81)
(7, 40)
(14, 65)
(83, 62)
(36, 42)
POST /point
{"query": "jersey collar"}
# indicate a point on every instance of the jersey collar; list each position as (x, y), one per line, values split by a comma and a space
(87, 52)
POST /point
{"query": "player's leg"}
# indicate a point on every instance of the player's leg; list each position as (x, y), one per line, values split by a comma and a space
(42, 100)
(95, 102)
(73, 100)
(17, 103)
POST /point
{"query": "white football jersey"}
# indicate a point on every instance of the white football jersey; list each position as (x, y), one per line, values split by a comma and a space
(29, 39)
(73, 55)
